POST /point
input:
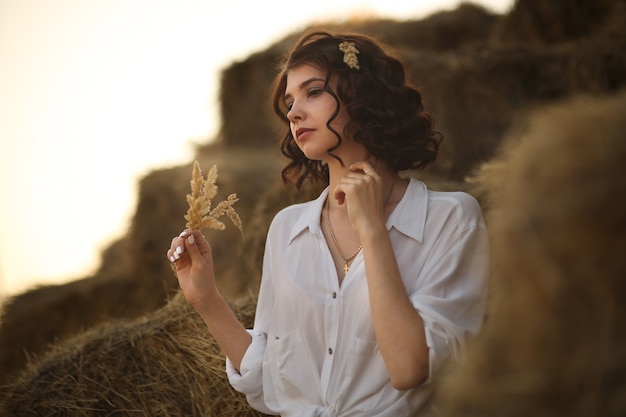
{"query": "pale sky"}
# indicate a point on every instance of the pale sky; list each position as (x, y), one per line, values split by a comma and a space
(95, 94)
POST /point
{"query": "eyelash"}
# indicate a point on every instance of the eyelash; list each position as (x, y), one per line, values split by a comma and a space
(311, 92)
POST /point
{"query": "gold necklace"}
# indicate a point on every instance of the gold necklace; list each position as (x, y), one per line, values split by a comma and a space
(346, 261)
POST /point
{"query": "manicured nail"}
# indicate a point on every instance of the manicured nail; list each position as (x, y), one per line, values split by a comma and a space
(172, 259)
(183, 233)
(179, 250)
(191, 240)
(176, 256)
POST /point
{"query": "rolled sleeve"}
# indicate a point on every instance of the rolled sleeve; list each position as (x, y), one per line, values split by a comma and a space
(452, 302)
(249, 379)
(440, 349)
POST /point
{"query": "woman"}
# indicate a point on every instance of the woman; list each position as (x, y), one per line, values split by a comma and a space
(369, 289)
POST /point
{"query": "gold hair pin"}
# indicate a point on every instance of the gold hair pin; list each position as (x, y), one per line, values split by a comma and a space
(349, 54)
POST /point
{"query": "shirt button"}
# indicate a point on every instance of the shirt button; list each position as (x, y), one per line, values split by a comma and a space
(330, 351)
(334, 294)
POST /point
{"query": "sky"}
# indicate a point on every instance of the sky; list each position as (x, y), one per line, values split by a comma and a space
(94, 94)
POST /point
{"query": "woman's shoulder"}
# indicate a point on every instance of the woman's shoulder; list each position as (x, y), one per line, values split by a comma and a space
(457, 199)
(459, 204)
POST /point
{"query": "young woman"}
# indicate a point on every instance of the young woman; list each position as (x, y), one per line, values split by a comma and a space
(369, 289)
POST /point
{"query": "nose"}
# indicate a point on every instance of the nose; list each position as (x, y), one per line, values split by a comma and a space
(295, 113)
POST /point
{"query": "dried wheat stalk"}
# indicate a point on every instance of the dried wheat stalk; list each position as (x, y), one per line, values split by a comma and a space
(200, 215)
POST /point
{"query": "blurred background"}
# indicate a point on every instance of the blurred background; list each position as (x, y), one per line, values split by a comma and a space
(95, 94)
(105, 105)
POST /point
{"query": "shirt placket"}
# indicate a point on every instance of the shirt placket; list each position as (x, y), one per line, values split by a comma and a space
(332, 318)
(331, 329)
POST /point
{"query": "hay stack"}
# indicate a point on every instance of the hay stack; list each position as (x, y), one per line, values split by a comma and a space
(554, 343)
(164, 365)
(135, 277)
(478, 71)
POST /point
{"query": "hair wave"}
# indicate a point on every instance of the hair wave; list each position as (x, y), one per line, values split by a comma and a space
(386, 113)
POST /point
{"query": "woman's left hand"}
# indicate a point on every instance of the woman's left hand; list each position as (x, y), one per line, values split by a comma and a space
(362, 191)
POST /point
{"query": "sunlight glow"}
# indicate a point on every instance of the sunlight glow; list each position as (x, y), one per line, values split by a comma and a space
(93, 95)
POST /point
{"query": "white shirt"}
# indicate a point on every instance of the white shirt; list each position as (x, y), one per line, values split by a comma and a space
(314, 351)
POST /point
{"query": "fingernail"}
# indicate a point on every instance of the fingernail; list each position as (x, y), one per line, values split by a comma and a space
(176, 256)
(183, 233)
(191, 240)
(172, 259)
(179, 250)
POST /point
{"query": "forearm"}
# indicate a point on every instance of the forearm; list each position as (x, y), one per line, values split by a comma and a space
(399, 328)
(228, 331)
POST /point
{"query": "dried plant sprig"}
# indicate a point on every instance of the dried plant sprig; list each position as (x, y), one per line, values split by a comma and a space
(200, 215)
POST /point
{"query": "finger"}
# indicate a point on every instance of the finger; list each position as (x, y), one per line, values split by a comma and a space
(177, 246)
(202, 244)
(342, 189)
(172, 250)
(173, 253)
(193, 243)
(177, 251)
(339, 193)
(363, 166)
(340, 196)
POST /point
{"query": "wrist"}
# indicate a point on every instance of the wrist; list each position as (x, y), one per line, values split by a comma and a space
(373, 233)
(208, 303)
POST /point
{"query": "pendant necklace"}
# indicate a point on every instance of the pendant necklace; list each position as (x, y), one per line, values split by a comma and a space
(346, 261)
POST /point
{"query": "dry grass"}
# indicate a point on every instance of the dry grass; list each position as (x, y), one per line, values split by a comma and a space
(166, 364)
(200, 214)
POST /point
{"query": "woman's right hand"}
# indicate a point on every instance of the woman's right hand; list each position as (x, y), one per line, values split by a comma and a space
(191, 255)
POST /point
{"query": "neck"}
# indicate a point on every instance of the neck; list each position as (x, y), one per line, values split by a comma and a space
(336, 171)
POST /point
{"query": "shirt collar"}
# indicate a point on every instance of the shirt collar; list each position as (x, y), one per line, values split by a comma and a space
(409, 216)
(310, 217)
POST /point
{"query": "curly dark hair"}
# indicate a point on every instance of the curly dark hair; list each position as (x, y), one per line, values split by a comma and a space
(386, 113)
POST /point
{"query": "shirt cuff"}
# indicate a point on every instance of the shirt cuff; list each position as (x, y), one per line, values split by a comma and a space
(439, 352)
(249, 379)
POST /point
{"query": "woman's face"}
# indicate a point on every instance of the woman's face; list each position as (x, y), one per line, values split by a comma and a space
(309, 108)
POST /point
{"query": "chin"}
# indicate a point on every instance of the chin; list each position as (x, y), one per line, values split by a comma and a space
(313, 154)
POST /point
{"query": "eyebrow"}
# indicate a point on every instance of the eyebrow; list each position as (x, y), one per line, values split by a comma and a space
(303, 85)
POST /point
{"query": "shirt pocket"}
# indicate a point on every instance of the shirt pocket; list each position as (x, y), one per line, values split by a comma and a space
(367, 378)
(291, 368)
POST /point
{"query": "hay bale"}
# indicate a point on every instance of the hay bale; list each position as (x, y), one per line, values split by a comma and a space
(36, 318)
(554, 343)
(549, 22)
(166, 364)
(475, 71)
(135, 276)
